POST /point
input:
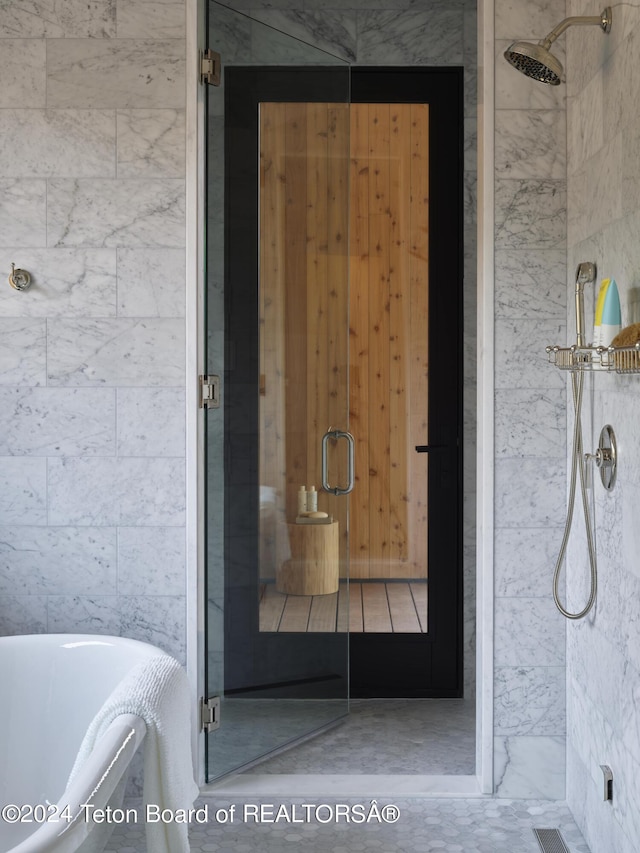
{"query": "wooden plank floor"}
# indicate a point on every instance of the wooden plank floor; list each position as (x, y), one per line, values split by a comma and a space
(378, 607)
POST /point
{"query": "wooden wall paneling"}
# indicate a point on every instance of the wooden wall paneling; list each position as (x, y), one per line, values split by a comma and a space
(399, 343)
(419, 333)
(359, 338)
(378, 396)
(337, 380)
(316, 321)
(296, 301)
(272, 463)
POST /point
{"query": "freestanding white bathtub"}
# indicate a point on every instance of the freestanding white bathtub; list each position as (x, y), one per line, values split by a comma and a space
(51, 687)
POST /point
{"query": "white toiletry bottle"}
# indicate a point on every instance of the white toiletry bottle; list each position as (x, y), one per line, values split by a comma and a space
(312, 499)
(302, 500)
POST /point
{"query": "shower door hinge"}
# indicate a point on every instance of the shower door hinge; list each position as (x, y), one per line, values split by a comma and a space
(209, 392)
(210, 63)
(209, 714)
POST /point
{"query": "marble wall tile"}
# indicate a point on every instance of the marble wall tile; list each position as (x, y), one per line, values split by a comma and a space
(64, 283)
(23, 490)
(156, 619)
(101, 213)
(529, 632)
(587, 50)
(585, 123)
(57, 143)
(600, 178)
(142, 74)
(531, 283)
(24, 84)
(57, 422)
(433, 37)
(530, 767)
(151, 19)
(151, 422)
(150, 282)
(22, 351)
(108, 491)
(530, 20)
(57, 560)
(530, 492)
(530, 423)
(529, 700)
(151, 561)
(151, 143)
(331, 31)
(531, 144)
(514, 91)
(23, 211)
(84, 614)
(530, 214)
(57, 19)
(524, 561)
(116, 352)
(23, 614)
(521, 357)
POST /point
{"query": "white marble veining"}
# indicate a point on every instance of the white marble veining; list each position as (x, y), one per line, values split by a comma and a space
(123, 351)
(151, 561)
(57, 18)
(530, 214)
(530, 493)
(530, 767)
(110, 491)
(521, 357)
(524, 561)
(24, 84)
(23, 614)
(64, 283)
(531, 144)
(529, 632)
(57, 421)
(23, 347)
(142, 74)
(425, 37)
(600, 178)
(57, 143)
(151, 143)
(329, 30)
(124, 212)
(91, 614)
(530, 20)
(150, 282)
(530, 283)
(57, 560)
(530, 423)
(151, 422)
(151, 19)
(156, 619)
(530, 700)
(23, 208)
(585, 123)
(23, 490)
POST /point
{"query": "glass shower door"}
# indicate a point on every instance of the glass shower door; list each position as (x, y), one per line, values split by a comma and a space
(278, 334)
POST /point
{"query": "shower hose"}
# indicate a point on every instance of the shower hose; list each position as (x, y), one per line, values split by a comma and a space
(578, 464)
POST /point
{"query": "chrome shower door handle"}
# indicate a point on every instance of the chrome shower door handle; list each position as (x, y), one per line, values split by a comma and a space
(336, 434)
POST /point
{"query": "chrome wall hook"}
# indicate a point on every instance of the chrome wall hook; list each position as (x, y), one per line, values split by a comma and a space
(19, 279)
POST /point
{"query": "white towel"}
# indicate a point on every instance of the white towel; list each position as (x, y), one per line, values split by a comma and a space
(157, 690)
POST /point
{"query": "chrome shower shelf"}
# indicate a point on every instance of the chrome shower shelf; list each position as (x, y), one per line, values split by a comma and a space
(612, 359)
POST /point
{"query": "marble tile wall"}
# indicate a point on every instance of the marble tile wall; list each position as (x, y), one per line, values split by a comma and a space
(530, 413)
(369, 32)
(603, 663)
(92, 401)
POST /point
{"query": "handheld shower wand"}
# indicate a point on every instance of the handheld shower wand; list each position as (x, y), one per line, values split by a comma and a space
(585, 273)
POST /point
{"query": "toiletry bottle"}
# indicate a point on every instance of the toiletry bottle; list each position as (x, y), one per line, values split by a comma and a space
(312, 499)
(302, 500)
(611, 315)
(597, 322)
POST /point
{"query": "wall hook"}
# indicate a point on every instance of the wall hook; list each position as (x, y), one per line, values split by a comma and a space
(19, 279)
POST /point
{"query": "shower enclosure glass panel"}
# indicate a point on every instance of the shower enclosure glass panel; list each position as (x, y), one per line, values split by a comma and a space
(277, 246)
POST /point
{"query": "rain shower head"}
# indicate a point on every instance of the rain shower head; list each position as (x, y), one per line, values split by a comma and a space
(537, 61)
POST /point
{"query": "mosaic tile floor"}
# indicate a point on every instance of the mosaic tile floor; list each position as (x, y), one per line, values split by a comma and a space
(427, 825)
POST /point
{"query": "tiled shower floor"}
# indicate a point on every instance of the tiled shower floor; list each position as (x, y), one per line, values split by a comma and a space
(428, 826)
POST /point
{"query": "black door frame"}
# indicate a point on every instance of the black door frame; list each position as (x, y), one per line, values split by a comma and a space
(380, 665)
